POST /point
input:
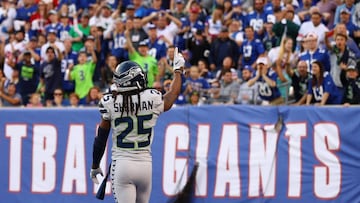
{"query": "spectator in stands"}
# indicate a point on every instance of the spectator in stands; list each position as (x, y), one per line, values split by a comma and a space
(327, 8)
(80, 31)
(157, 45)
(52, 40)
(257, 17)
(205, 70)
(285, 27)
(215, 23)
(74, 100)
(107, 71)
(348, 4)
(236, 32)
(228, 91)
(137, 33)
(222, 47)
(167, 25)
(299, 81)
(82, 74)
(54, 23)
(321, 88)
(50, 73)
(355, 17)
(59, 100)
(24, 12)
(39, 19)
(129, 11)
(117, 38)
(350, 43)
(104, 15)
(251, 48)
(314, 52)
(34, 101)
(9, 97)
(351, 83)
(29, 75)
(315, 25)
(353, 30)
(7, 17)
(196, 83)
(166, 64)
(304, 11)
(270, 40)
(12, 50)
(228, 64)
(178, 9)
(340, 58)
(93, 97)
(65, 26)
(236, 14)
(266, 78)
(142, 57)
(194, 99)
(199, 47)
(68, 61)
(246, 94)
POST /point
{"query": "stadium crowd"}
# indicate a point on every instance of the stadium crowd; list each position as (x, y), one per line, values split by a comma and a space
(57, 53)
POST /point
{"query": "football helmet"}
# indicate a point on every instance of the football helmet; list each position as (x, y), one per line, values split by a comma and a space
(129, 76)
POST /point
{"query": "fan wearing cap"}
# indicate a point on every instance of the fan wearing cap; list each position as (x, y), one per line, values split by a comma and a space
(199, 47)
(270, 40)
(54, 23)
(29, 74)
(157, 45)
(314, 53)
(315, 25)
(345, 18)
(246, 94)
(351, 82)
(266, 78)
(52, 40)
(141, 56)
(236, 13)
(348, 4)
(104, 14)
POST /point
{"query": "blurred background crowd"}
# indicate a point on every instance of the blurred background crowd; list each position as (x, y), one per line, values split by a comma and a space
(56, 53)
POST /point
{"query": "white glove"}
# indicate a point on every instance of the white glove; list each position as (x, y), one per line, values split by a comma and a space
(179, 60)
(93, 174)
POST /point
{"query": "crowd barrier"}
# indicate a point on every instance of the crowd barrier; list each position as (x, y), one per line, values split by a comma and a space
(245, 153)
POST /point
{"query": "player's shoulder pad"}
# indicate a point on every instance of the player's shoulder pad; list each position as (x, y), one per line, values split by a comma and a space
(107, 97)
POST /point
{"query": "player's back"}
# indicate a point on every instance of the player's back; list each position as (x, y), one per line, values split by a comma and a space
(132, 127)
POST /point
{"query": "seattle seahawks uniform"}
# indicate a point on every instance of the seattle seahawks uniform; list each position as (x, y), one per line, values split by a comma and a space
(132, 136)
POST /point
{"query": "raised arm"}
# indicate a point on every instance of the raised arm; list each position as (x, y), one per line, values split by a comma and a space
(175, 86)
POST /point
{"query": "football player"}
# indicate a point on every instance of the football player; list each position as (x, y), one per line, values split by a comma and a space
(131, 111)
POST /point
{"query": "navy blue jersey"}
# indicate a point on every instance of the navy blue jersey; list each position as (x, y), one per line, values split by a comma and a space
(320, 55)
(266, 92)
(327, 86)
(251, 50)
